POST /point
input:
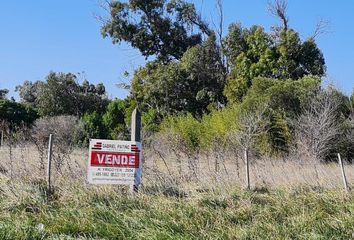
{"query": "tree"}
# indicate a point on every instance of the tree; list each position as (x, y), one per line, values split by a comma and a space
(3, 93)
(114, 119)
(255, 53)
(285, 100)
(278, 9)
(161, 28)
(189, 85)
(16, 114)
(61, 94)
(206, 75)
(251, 123)
(29, 92)
(160, 87)
(347, 146)
(91, 127)
(319, 127)
(57, 96)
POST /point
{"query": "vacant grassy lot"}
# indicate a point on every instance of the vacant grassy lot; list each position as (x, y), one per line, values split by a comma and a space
(289, 200)
(85, 212)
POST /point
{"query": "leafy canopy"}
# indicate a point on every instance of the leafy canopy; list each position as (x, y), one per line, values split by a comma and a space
(114, 119)
(16, 114)
(3, 93)
(61, 94)
(255, 53)
(161, 28)
(189, 85)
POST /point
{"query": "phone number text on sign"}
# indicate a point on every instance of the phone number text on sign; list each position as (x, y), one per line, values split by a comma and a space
(114, 162)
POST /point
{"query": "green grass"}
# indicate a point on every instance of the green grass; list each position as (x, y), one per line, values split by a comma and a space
(91, 212)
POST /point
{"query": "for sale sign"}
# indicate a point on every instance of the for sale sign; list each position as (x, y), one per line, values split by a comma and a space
(114, 162)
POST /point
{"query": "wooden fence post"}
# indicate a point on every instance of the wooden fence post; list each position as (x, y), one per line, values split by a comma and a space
(136, 126)
(49, 166)
(135, 136)
(247, 164)
(2, 138)
(345, 182)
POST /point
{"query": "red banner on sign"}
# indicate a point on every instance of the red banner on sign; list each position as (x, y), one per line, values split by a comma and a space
(109, 159)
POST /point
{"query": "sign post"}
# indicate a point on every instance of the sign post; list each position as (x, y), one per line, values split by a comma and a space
(114, 162)
(117, 162)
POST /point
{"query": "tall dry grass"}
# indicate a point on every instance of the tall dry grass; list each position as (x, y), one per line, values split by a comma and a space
(166, 168)
(173, 202)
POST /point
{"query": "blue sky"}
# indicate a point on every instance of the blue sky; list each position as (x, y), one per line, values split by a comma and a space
(39, 36)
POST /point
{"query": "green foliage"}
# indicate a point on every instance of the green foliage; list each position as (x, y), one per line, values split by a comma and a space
(30, 92)
(3, 93)
(184, 131)
(217, 127)
(190, 85)
(16, 114)
(91, 128)
(60, 94)
(254, 53)
(208, 133)
(285, 100)
(280, 135)
(160, 27)
(151, 120)
(114, 119)
(160, 87)
(205, 76)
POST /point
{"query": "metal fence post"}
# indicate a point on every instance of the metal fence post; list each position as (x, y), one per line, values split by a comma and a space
(345, 182)
(49, 166)
(247, 164)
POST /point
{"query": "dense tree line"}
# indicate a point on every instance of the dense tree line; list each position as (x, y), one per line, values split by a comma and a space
(61, 94)
(203, 85)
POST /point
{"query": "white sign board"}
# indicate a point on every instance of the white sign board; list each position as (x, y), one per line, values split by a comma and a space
(114, 162)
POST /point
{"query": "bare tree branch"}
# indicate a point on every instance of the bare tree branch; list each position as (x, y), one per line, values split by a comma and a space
(318, 127)
(322, 27)
(278, 8)
(105, 6)
(251, 124)
(123, 85)
(220, 32)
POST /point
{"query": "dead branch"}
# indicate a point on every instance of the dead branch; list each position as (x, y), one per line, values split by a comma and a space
(322, 27)
(279, 9)
(318, 127)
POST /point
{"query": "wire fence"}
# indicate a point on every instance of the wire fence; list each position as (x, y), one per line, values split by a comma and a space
(166, 168)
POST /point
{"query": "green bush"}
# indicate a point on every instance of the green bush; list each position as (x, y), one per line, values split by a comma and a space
(282, 100)
(16, 114)
(184, 130)
(217, 127)
(114, 119)
(91, 127)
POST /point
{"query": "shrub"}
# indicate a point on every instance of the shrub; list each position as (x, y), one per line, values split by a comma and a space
(114, 119)
(91, 126)
(65, 130)
(16, 114)
(184, 131)
(319, 129)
